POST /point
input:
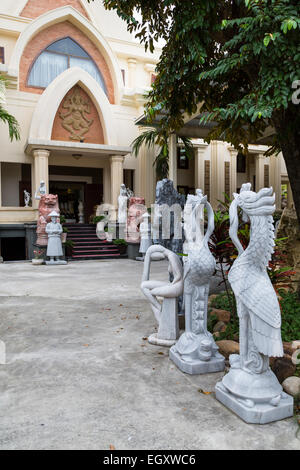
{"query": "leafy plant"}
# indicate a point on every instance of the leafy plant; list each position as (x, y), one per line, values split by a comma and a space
(290, 311)
(152, 137)
(120, 241)
(225, 301)
(98, 218)
(39, 254)
(5, 116)
(236, 62)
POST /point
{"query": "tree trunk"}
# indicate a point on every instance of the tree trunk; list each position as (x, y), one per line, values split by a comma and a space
(288, 133)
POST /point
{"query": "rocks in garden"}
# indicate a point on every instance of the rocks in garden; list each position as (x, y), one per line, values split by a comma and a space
(222, 315)
(219, 327)
(283, 367)
(227, 347)
(296, 345)
(291, 385)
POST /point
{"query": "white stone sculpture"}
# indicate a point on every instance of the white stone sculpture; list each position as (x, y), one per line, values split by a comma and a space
(145, 232)
(122, 205)
(54, 247)
(251, 389)
(26, 198)
(42, 191)
(196, 351)
(166, 313)
(81, 212)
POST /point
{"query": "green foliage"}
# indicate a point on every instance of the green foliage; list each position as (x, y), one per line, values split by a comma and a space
(5, 116)
(97, 218)
(290, 309)
(290, 313)
(238, 58)
(120, 241)
(153, 137)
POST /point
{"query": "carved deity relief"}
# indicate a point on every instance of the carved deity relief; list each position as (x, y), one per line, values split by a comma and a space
(76, 120)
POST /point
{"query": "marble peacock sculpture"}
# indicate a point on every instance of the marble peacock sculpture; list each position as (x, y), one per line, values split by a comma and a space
(196, 351)
(250, 388)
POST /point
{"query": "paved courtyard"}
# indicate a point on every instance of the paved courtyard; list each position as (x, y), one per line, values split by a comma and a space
(80, 374)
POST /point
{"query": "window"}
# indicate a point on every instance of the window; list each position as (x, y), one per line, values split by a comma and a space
(241, 163)
(182, 159)
(57, 58)
(2, 59)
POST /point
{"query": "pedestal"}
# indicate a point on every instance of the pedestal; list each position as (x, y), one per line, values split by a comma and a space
(215, 364)
(168, 330)
(255, 397)
(260, 413)
(133, 250)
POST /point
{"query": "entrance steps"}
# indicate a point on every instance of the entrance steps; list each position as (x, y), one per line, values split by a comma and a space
(87, 245)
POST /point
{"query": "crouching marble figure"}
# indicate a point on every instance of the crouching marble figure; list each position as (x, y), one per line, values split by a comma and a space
(196, 351)
(250, 389)
(54, 248)
(166, 313)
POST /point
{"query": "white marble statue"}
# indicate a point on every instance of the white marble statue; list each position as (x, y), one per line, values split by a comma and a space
(122, 205)
(81, 212)
(145, 232)
(54, 247)
(166, 313)
(26, 198)
(251, 389)
(42, 191)
(196, 351)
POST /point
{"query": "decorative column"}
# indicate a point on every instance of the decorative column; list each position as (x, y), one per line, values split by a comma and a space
(40, 172)
(173, 159)
(116, 177)
(200, 167)
(146, 174)
(0, 187)
(233, 156)
(275, 178)
(217, 173)
(259, 171)
(131, 72)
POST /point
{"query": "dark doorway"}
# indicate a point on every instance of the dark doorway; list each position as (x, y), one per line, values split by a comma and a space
(13, 249)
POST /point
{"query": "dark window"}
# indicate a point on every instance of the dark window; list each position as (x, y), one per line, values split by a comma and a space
(182, 159)
(123, 75)
(2, 57)
(241, 163)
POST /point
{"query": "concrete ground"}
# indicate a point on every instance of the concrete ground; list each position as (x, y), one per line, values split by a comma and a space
(79, 373)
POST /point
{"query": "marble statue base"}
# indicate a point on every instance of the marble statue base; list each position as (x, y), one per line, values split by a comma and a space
(153, 339)
(215, 364)
(61, 261)
(133, 250)
(254, 397)
(168, 330)
(260, 413)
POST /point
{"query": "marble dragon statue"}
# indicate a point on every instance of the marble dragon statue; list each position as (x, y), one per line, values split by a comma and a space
(196, 351)
(250, 388)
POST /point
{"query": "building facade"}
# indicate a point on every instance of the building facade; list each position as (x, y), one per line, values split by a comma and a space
(76, 84)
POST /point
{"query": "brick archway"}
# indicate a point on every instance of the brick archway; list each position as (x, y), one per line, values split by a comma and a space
(51, 34)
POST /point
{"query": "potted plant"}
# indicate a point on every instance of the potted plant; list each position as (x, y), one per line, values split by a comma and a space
(39, 256)
(65, 230)
(121, 244)
(69, 248)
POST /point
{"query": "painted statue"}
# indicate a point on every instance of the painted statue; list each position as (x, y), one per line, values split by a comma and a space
(196, 351)
(250, 388)
(54, 247)
(122, 205)
(166, 313)
(135, 211)
(47, 204)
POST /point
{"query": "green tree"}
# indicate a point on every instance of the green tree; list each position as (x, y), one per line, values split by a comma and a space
(240, 58)
(5, 116)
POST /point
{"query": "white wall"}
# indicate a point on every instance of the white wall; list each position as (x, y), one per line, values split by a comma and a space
(10, 177)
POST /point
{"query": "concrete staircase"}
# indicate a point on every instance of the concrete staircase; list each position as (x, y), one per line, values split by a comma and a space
(87, 245)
